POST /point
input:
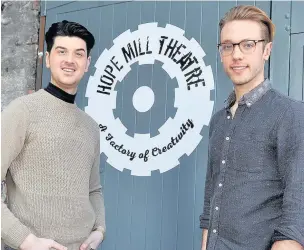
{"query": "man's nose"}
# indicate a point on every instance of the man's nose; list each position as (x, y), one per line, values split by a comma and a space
(237, 53)
(69, 58)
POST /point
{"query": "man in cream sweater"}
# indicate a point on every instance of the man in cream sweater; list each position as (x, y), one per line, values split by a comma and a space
(50, 156)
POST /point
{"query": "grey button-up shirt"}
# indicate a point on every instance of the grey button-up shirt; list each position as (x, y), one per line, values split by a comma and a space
(254, 191)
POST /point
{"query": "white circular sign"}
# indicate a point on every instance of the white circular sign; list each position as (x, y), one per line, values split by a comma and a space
(143, 99)
(182, 59)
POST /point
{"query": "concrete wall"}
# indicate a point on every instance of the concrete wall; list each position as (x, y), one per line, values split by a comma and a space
(19, 40)
(20, 27)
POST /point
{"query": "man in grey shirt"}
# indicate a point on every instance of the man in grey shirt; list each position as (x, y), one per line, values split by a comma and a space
(254, 193)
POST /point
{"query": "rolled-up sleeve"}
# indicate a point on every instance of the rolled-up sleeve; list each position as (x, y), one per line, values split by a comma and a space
(290, 156)
(205, 216)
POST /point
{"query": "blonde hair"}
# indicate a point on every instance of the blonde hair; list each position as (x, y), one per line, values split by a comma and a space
(248, 12)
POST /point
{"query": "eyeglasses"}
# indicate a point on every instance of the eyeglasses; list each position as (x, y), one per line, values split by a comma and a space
(246, 46)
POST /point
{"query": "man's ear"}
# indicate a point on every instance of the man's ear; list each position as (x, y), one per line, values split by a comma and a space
(47, 59)
(88, 64)
(267, 51)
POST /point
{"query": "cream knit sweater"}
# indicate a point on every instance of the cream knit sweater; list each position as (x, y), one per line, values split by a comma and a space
(50, 159)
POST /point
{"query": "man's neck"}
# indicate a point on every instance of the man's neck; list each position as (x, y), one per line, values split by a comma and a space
(60, 93)
(71, 91)
(241, 90)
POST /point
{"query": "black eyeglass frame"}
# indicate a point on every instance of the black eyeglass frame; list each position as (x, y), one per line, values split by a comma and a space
(234, 44)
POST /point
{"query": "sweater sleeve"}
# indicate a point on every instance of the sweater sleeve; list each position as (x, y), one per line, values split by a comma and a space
(96, 195)
(14, 123)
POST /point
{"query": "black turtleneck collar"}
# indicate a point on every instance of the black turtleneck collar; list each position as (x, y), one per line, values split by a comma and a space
(59, 93)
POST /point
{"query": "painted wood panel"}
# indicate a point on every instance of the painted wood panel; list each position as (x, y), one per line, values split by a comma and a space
(161, 212)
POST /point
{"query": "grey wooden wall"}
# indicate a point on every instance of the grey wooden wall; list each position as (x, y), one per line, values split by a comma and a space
(161, 212)
(287, 68)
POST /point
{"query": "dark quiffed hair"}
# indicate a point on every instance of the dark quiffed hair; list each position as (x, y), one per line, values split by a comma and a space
(66, 28)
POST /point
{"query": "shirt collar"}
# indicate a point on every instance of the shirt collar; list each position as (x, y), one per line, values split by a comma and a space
(251, 97)
(59, 93)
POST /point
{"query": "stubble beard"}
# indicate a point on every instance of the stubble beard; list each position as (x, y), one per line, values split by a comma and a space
(239, 81)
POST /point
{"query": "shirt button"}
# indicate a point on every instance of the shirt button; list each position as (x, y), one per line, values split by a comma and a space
(220, 184)
(227, 138)
(228, 117)
(248, 104)
(223, 161)
(214, 231)
(216, 208)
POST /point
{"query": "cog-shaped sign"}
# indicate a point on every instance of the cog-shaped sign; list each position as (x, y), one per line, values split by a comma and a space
(182, 59)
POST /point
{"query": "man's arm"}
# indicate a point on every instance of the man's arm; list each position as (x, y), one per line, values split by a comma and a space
(96, 195)
(287, 245)
(14, 122)
(204, 241)
(97, 201)
(205, 217)
(290, 155)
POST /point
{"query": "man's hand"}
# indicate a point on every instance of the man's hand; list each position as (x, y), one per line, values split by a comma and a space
(34, 243)
(287, 245)
(204, 240)
(93, 241)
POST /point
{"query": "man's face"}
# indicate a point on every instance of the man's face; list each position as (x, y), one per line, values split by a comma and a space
(243, 68)
(67, 61)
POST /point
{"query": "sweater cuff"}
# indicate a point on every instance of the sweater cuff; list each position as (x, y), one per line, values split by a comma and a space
(204, 222)
(100, 229)
(16, 235)
(277, 236)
